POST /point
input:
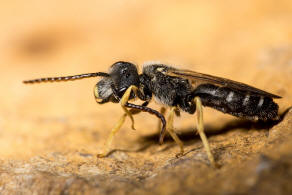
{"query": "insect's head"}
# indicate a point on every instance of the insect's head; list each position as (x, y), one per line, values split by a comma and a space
(121, 76)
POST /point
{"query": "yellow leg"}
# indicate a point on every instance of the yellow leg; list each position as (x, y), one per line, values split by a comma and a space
(200, 128)
(114, 131)
(111, 136)
(162, 111)
(125, 99)
(169, 128)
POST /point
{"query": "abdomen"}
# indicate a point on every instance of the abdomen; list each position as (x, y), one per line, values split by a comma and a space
(237, 103)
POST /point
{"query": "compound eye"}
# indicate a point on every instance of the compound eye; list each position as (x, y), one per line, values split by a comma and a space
(126, 73)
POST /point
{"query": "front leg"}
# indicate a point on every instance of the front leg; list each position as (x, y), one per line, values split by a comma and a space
(116, 128)
(111, 136)
(124, 100)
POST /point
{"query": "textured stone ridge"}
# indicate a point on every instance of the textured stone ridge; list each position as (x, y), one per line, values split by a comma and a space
(252, 161)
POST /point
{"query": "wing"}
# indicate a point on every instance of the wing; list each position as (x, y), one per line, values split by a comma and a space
(205, 78)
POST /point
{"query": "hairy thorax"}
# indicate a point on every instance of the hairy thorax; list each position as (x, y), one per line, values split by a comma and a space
(166, 89)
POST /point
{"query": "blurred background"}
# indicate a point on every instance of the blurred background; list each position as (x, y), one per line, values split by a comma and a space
(248, 41)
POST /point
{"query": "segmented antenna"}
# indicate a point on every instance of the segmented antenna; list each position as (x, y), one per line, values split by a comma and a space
(66, 78)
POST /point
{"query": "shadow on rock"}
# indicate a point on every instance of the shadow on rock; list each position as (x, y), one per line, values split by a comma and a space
(189, 134)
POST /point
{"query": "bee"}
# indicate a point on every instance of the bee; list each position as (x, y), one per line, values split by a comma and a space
(178, 90)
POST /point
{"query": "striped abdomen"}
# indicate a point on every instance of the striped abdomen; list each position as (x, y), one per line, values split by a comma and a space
(237, 103)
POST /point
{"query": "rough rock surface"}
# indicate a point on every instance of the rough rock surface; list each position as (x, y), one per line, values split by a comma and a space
(50, 133)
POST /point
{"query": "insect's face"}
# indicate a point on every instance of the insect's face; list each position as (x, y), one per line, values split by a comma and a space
(123, 75)
(103, 92)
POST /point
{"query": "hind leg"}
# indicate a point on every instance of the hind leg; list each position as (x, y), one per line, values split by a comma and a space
(200, 128)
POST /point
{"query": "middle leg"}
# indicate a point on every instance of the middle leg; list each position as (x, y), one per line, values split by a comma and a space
(169, 128)
(162, 111)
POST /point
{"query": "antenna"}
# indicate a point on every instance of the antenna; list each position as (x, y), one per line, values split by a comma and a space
(66, 78)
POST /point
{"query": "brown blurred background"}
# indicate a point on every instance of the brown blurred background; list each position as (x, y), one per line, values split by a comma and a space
(248, 41)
